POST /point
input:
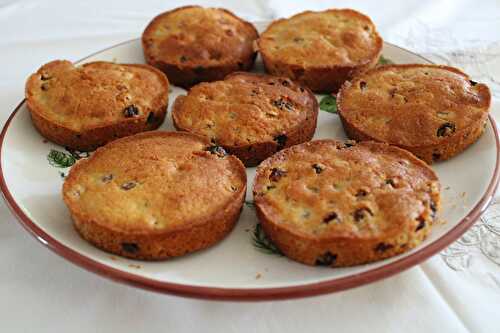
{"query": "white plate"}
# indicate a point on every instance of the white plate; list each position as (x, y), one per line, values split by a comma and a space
(234, 268)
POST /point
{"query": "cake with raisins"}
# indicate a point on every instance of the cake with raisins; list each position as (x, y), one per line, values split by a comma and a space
(251, 115)
(339, 204)
(87, 106)
(321, 49)
(156, 195)
(193, 44)
(433, 111)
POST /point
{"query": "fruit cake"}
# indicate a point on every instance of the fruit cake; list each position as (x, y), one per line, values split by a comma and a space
(84, 107)
(339, 204)
(193, 44)
(321, 49)
(433, 111)
(251, 115)
(156, 195)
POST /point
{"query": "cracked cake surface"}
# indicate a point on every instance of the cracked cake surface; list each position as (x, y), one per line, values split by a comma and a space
(320, 49)
(85, 106)
(356, 203)
(169, 193)
(250, 115)
(433, 111)
(193, 44)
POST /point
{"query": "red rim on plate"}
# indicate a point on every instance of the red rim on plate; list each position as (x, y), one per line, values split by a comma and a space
(254, 294)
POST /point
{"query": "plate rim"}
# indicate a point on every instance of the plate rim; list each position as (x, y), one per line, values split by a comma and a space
(247, 294)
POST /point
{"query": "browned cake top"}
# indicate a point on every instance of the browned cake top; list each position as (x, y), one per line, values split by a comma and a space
(326, 189)
(322, 39)
(194, 35)
(413, 105)
(95, 94)
(153, 182)
(244, 108)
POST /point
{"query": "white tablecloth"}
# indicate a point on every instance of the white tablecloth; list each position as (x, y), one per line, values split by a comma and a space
(457, 291)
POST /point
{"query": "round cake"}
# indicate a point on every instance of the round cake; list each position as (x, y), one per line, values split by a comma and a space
(156, 195)
(251, 115)
(340, 204)
(433, 111)
(87, 106)
(193, 44)
(321, 49)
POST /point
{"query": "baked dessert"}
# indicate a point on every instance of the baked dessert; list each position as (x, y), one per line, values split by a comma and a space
(321, 49)
(433, 111)
(156, 195)
(251, 115)
(340, 204)
(87, 106)
(193, 44)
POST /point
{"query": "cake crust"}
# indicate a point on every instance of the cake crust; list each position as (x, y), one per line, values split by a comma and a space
(321, 49)
(84, 107)
(433, 111)
(338, 204)
(193, 44)
(251, 115)
(156, 195)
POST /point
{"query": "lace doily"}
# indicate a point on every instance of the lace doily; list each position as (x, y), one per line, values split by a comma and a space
(482, 239)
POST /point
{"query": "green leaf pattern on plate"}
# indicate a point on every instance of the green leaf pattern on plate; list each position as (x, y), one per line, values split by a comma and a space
(60, 159)
(262, 243)
(328, 103)
(384, 61)
(249, 204)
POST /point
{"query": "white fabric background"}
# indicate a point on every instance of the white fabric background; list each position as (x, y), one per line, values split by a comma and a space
(41, 292)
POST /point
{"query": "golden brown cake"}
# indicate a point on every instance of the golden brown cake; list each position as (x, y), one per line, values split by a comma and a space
(251, 115)
(156, 195)
(87, 106)
(321, 49)
(340, 204)
(193, 44)
(433, 111)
